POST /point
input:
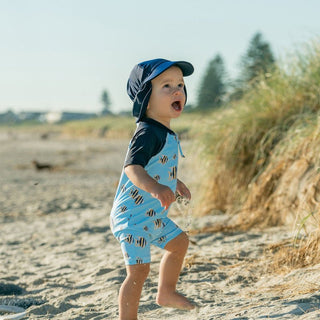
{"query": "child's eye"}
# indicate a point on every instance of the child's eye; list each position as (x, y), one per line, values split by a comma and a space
(181, 85)
(166, 86)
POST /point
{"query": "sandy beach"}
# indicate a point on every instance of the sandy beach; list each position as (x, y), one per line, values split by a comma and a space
(59, 259)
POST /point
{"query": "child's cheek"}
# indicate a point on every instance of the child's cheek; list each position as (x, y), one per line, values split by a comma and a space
(166, 91)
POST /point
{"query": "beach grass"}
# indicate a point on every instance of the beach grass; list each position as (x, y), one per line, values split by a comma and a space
(260, 155)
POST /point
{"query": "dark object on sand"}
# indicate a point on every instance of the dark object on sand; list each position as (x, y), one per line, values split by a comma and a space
(42, 166)
(7, 289)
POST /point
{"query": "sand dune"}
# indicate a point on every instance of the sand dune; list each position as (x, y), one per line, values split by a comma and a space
(60, 261)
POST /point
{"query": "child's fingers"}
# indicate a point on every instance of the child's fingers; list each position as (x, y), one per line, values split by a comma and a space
(167, 200)
(185, 193)
(165, 195)
(183, 190)
(188, 194)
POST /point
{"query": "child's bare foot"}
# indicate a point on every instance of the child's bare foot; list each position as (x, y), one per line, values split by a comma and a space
(174, 300)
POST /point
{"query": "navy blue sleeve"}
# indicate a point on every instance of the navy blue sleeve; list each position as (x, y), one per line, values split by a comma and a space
(146, 143)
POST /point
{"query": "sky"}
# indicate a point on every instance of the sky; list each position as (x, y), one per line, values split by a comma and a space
(59, 55)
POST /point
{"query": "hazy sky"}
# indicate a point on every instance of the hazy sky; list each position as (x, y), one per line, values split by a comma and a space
(61, 54)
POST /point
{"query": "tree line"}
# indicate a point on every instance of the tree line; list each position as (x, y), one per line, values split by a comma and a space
(216, 89)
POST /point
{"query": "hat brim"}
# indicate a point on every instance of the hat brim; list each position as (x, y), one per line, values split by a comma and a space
(186, 68)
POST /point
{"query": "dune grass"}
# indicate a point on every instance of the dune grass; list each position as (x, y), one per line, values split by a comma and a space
(278, 115)
(261, 161)
(261, 158)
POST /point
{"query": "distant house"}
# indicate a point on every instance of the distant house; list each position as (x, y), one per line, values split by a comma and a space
(56, 117)
(51, 117)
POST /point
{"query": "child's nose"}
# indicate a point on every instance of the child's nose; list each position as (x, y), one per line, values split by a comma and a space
(177, 90)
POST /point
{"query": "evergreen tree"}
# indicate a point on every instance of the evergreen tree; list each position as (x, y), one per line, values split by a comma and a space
(106, 103)
(258, 60)
(213, 86)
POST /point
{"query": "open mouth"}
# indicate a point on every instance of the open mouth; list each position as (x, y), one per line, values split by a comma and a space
(176, 105)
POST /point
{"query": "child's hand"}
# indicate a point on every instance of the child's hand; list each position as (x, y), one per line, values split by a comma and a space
(183, 190)
(164, 194)
(141, 179)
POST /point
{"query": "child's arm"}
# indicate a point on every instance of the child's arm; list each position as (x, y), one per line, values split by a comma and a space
(140, 178)
(183, 190)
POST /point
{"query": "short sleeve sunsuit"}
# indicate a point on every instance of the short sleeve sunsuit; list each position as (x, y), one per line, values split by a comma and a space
(137, 219)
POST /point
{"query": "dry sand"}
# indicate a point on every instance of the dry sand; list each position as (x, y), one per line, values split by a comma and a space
(59, 259)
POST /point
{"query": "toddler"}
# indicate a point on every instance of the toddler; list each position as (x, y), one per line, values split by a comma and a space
(148, 184)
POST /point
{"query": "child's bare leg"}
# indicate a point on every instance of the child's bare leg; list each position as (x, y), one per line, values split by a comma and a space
(170, 268)
(130, 291)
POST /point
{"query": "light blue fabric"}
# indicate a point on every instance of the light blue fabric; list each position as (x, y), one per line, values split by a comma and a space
(136, 214)
(136, 243)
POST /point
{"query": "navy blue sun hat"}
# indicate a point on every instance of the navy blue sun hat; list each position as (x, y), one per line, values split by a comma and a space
(139, 83)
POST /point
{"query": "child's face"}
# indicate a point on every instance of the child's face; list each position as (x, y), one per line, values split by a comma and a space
(167, 97)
